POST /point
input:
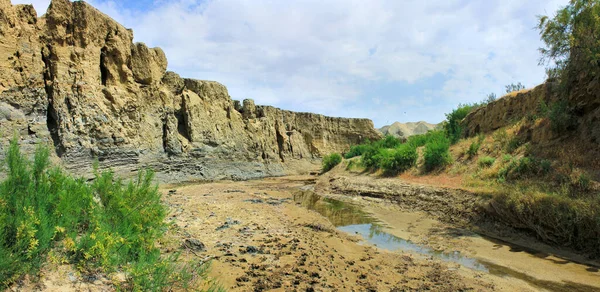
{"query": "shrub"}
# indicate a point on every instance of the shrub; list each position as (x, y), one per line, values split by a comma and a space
(357, 150)
(501, 138)
(561, 117)
(473, 149)
(369, 158)
(571, 41)
(420, 140)
(452, 126)
(486, 161)
(554, 219)
(513, 144)
(490, 98)
(436, 154)
(106, 226)
(394, 161)
(545, 166)
(523, 167)
(583, 182)
(388, 142)
(514, 87)
(330, 161)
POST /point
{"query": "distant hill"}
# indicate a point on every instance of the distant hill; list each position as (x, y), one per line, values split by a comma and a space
(407, 129)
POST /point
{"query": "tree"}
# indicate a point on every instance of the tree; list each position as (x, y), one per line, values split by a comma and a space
(572, 40)
(514, 87)
(490, 98)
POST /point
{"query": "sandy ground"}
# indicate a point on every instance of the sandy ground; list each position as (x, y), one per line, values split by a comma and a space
(260, 239)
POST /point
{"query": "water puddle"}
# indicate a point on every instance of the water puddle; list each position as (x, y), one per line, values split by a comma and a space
(353, 220)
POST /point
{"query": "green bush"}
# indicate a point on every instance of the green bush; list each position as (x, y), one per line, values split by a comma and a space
(452, 126)
(330, 161)
(436, 153)
(389, 142)
(514, 87)
(393, 161)
(357, 150)
(107, 225)
(473, 149)
(420, 140)
(523, 167)
(561, 117)
(572, 44)
(583, 182)
(369, 157)
(486, 161)
(545, 166)
(513, 144)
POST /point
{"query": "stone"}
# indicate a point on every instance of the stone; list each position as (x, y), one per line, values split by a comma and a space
(194, 244)
(102, 97)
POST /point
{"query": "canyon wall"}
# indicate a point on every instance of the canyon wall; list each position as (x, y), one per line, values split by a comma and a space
(74, 80)
(583, 113)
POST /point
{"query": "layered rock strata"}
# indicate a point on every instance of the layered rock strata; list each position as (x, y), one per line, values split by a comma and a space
(73, 79)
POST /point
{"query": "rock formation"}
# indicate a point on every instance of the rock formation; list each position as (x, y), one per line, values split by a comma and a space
(404, 130)
(74, 80)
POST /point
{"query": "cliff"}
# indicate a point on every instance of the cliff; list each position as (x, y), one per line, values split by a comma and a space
(74, 80)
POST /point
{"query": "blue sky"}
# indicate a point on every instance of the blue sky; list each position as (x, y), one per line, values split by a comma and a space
(387, 60)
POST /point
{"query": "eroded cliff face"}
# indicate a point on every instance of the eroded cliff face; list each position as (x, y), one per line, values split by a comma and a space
(73, 79)
(584, 107)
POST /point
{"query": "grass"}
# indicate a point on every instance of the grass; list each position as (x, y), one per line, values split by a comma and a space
(108, 225)
(553, 199)
(330, 161)
(486, 161)
(552, 217)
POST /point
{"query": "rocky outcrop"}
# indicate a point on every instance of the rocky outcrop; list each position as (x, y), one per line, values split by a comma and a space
(74, 80)
(405, 130)
(507, 110)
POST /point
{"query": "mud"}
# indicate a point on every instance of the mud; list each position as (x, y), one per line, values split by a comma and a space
(280, 245)
(285, 234)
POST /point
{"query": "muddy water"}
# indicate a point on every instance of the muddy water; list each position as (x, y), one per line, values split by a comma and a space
(540, 270)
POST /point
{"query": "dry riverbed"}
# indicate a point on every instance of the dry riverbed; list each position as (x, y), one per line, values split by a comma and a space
(340, 232)
(261, 239)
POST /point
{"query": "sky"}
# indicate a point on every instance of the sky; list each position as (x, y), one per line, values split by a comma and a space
(386, 60)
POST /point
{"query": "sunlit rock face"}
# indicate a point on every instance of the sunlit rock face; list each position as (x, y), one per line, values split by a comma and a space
(74, 80)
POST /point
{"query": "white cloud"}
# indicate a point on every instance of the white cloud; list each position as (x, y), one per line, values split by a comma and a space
(318, 55)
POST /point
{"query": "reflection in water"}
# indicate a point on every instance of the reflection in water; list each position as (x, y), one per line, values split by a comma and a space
(351, 219)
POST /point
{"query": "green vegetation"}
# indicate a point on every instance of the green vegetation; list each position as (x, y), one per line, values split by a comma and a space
(555, 200)
(513, 144)
(514, 87)
(572, 41)
(452, 125)
(357, 150)
(107, 225)
(561, 117)
(486, 161)
(330, 161)
(399, 159)
(436, 154)
(474, 147)
(490, 98)
(553, 218)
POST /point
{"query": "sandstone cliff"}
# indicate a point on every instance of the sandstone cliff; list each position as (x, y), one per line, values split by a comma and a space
(74, 80)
